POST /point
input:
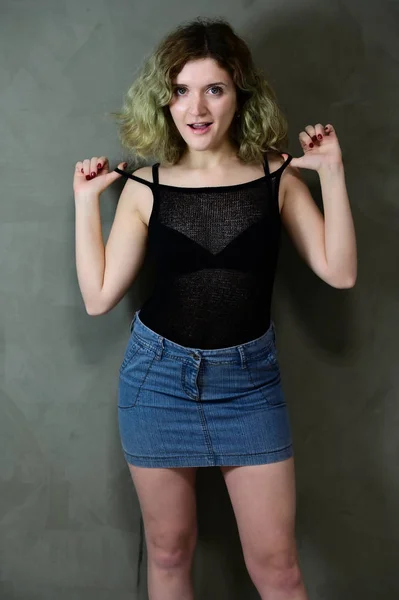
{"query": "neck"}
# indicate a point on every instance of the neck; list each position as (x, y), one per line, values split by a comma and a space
(209, 159)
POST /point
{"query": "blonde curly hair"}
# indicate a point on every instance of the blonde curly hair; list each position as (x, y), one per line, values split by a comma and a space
(146, 127)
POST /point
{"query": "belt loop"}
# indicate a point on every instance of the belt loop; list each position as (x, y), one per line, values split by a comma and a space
(160, 348)
(242, 357)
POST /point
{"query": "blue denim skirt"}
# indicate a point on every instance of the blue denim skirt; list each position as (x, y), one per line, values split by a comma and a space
(189, 407)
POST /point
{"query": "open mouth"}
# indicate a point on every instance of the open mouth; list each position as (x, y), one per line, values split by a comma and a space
(200, 128)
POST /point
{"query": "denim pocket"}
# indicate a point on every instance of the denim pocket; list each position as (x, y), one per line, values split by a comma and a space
(131, 349)
(264, 375)
(134, 372)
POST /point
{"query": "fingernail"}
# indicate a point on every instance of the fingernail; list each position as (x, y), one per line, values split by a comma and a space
(82, 170)
(87, 176)
(99, 166)
(93, 174)
(314, 138)
(311, 145)
(320, 136)
(124, 165)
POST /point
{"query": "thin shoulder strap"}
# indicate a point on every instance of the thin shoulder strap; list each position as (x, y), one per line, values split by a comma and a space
(278, 171)
(155, 174)
(266, 164)
(285, 164)
(131, 176)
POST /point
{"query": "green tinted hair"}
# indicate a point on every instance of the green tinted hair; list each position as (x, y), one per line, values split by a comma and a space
(146, 127)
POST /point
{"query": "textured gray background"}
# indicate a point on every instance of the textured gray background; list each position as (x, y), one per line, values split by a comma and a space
(69, 516)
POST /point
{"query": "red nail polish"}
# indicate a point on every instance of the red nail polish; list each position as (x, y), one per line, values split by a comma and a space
(320, 136)
(93, 174)
(99, 166)
(87, 177)
(314, 138)
(124, 165)
(82, 170)
(311, 145)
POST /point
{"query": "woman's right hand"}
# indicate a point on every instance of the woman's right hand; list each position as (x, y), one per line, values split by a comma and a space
(92, 176)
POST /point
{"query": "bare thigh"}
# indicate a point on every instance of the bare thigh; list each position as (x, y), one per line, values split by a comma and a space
(264, 503)
(168, 504)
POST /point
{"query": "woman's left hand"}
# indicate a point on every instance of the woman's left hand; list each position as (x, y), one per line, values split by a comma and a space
(320, 146)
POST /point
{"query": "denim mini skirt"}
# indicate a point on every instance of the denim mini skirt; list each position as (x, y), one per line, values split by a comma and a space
(189, 407)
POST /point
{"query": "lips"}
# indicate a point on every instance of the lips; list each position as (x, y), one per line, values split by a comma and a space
(202, 124)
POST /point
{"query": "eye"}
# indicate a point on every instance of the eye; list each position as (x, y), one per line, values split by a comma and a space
(216, 87)
(219, 90)
(177, 89)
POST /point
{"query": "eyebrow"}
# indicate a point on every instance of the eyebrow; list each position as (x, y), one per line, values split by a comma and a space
(207, 85)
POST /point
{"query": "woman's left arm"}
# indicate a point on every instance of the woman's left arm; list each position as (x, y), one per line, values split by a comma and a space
(328, 245)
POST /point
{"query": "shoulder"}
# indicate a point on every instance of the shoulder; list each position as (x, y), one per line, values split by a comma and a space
(275, 160)
(290, 176)
(140, 195)
(291, 181)
(144, 173)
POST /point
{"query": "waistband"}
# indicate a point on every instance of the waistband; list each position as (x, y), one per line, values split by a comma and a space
(161, 345)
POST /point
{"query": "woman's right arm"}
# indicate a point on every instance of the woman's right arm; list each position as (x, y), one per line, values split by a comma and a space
(106, 273)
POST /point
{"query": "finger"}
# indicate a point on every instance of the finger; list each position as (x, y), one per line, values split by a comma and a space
(93, 166)
(79, 169)
(103, 164)
(113, 175)
(319, 131)
(310, 130)
(329, 129)
(122, 166)
(86, 167)
(305, 141)
(296, 162)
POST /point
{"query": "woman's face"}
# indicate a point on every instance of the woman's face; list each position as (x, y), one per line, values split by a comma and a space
(203, 93)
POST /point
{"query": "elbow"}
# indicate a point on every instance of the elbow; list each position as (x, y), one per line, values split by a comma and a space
(100, 305)
(95, 309)
(344, 283)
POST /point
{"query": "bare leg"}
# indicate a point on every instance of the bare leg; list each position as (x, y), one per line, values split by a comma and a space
(168, 505)
(264, 503)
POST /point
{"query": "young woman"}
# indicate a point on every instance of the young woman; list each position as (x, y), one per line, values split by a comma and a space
(200, 382)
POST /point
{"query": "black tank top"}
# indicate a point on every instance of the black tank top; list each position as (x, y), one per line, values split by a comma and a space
(215, 252)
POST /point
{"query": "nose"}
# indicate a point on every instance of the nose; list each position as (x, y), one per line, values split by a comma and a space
(197, 105)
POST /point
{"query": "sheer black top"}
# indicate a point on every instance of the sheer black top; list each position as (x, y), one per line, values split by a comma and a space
(215, 251)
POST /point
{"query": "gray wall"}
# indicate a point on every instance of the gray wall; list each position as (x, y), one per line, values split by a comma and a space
(69, 516)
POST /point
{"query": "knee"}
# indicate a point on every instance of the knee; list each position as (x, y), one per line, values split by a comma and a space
(171, 551)
(279, 571)
(285, 578)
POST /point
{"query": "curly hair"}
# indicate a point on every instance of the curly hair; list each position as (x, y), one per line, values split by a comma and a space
(146, 127)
